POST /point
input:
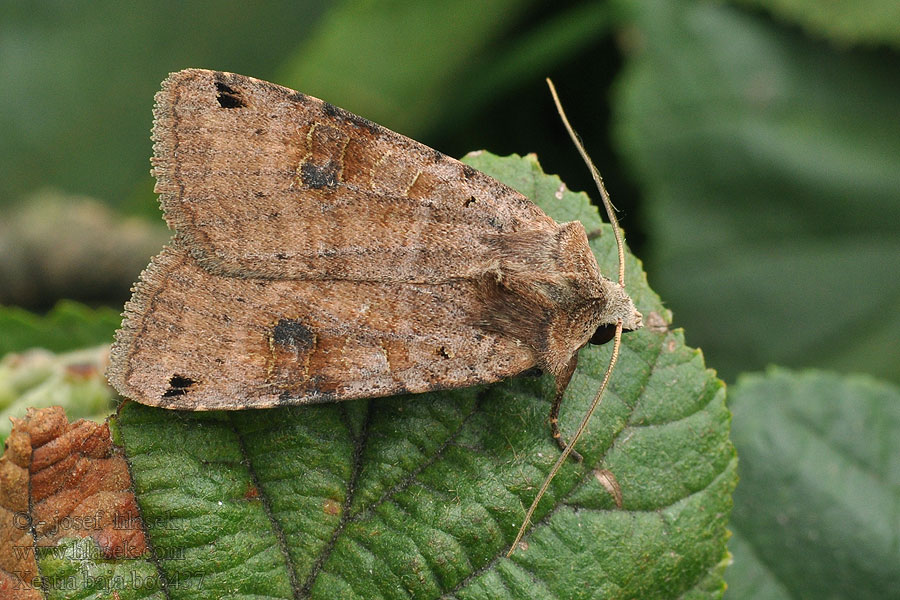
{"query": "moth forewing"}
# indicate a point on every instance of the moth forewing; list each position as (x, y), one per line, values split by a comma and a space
(281, 185)
(257, 343)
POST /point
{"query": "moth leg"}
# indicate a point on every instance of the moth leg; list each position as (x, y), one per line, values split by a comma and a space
(562, 382)
(592, 235)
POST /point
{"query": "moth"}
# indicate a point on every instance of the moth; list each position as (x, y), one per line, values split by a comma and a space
(319, 257)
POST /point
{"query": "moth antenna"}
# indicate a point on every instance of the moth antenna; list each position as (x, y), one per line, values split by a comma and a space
(604, 195)
(617, 340)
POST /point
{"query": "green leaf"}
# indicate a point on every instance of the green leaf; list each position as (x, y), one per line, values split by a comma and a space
(75, 568)
(31, 375)
(860, 22)
(420, 496)
(815, 514)
(68, 326)
(770, 164)
(401, 99)
(749, 576)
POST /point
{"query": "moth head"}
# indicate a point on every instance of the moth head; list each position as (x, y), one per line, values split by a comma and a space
(617, 305)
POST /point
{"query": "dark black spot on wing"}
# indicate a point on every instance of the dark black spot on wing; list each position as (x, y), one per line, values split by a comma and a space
(330, 109)
(291, 332)
(531, 372)
(178, 386)
(340, 114)
(298, 97)
(229, 97)
(318, 176)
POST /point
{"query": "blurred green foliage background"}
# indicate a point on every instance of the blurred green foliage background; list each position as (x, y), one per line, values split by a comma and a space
(753, 147)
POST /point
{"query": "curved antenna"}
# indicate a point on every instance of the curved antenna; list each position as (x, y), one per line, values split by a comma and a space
(604, 195)
(617, 340)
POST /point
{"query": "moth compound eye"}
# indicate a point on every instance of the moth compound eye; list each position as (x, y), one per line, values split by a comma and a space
(603, 334)
(228, 97)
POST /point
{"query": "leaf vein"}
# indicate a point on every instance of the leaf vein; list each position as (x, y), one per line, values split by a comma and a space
(411, 478)
(267, 508)
(359, 446)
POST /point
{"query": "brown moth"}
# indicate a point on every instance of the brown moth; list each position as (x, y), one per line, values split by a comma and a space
(320, 257)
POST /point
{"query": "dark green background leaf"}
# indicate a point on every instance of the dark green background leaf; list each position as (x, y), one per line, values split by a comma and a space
(815, 514)
(770, 165)
(457, 56)
(420, 496)
(79, 121)
(867, 22)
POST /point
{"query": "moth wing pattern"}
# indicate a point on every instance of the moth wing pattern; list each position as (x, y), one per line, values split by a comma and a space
(258, 343)
(264, 181)
(320, 257)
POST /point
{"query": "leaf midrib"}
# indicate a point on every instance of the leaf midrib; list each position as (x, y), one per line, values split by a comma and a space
(358, 447)
(267, 508)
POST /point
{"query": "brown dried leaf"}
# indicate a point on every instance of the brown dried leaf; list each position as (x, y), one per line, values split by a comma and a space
(61, 480)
